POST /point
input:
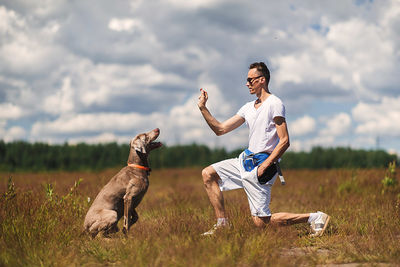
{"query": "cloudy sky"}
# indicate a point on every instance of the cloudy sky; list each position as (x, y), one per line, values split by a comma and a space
(101, 71)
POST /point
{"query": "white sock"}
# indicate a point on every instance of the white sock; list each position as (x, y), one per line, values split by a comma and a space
(313, 217)
(222, 221)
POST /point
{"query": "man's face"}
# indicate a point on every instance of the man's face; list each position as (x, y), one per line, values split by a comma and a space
(254, 81)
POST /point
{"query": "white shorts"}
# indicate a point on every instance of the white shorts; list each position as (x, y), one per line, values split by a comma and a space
(233, 176)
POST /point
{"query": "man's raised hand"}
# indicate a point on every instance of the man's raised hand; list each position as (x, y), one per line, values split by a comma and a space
(202, 98)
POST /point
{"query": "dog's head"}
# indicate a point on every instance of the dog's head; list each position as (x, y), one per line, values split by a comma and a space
(144, 142)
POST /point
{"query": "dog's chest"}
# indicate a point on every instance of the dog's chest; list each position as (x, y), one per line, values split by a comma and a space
(142, 182)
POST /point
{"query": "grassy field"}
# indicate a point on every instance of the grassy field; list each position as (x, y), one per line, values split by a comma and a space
(41, 217)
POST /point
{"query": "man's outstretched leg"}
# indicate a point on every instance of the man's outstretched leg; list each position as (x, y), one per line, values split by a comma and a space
(281, 218)
(318, 221)
(210, 179)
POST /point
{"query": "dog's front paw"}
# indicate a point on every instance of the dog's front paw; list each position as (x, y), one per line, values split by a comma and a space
(125, 231)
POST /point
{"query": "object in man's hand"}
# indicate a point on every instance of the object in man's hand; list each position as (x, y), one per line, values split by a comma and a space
(268, 174)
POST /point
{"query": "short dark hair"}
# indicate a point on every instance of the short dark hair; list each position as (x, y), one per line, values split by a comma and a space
(262, 68)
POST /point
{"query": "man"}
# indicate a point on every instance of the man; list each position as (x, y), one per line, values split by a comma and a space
(268, 137)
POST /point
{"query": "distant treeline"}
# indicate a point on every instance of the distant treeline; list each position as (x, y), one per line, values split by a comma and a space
(339, 157)
(24, 156)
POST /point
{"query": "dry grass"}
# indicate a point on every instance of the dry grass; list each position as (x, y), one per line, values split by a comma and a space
(40, 227)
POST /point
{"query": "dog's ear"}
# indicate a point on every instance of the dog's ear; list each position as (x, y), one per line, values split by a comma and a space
(139, 145)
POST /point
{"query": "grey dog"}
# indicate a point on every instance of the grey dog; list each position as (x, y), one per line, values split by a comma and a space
(123, 193)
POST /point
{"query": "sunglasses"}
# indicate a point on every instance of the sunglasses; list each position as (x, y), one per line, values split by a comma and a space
(252, 79)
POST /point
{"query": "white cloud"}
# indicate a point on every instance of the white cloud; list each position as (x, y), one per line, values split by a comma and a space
(11, 134)
(335, 133)
(10, 111)
(390, 19)
(8, 19)
(92, 123)
(62, 101)
(337, 125)
(194, 3)
(24, 49)
(98, 83)
(355, 54)
(101, 138)
(295, 145)
(308, 144)
(378, 118)
(16, 133)
(43, 8)
(126, 24)
(302, 126)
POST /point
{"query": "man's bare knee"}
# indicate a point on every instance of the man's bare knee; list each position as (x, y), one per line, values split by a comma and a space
(261, 221)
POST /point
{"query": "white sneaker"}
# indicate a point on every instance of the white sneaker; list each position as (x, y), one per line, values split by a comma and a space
(215, 228)
(319, 225)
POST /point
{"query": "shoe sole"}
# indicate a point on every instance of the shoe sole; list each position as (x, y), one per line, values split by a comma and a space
(323, 229)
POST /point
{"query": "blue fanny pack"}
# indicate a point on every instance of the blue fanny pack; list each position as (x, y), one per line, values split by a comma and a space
(251, 160)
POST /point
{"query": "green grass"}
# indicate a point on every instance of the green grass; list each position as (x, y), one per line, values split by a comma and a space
(41, 218)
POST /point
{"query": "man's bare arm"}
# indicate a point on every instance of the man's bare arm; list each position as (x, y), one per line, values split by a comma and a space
(219, 128)
(281, 147)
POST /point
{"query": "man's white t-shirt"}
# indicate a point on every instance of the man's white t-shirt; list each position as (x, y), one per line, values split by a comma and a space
(262, 131)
